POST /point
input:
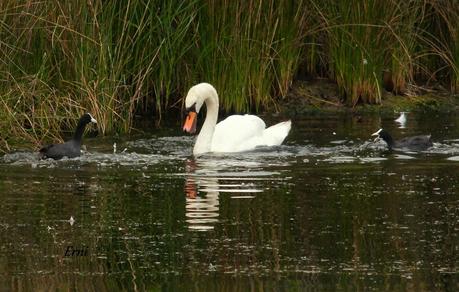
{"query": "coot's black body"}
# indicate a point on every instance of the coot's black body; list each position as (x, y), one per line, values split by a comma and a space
(415, 143)
(71, 148)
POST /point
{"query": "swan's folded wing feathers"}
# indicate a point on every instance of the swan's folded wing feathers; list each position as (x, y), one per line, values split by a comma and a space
(237, 131)
(276, 134)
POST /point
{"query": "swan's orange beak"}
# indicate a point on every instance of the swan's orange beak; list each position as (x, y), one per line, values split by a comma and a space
(190, 122)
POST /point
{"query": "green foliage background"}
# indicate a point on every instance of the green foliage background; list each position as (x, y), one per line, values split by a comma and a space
(119, 58)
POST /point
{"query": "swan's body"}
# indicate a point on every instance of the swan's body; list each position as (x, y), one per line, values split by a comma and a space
(236, 133)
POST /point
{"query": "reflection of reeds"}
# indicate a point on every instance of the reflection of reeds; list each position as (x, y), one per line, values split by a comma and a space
(119, 58)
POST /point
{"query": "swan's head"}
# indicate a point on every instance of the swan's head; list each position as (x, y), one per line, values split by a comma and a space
(194, 100)
(198, 94)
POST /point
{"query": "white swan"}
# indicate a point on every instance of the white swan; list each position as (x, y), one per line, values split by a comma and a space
(234, 134)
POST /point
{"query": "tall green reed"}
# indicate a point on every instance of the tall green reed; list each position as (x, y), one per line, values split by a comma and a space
(364, 39)
(441, 41)
(250, 49)
(118, 59)
(111, 58)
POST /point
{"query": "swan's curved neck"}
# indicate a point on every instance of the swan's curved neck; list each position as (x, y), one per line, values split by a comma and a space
(204, 140)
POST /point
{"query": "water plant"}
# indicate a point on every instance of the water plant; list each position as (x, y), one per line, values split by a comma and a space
(366, 39)
(120, 59)
(442, 39)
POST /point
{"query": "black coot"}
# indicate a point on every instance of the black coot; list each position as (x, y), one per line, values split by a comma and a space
(72, 147)
(415, 143)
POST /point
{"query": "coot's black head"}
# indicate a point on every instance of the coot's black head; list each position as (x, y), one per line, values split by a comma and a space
(383, 134)
(86, 119)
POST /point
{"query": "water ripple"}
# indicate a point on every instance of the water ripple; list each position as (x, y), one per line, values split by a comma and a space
(150, 151)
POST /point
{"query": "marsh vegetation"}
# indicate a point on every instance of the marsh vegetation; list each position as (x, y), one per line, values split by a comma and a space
(120, 59)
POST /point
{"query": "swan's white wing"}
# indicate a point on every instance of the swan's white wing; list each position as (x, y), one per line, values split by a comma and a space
(238, 133)
(276, 134)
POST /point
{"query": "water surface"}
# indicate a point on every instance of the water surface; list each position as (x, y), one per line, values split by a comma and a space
(328, 210)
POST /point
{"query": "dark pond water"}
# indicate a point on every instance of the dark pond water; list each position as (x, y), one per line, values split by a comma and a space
(329, 210)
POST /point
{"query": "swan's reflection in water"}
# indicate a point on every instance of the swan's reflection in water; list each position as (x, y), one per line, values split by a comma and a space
(205, 180)
(201, 211)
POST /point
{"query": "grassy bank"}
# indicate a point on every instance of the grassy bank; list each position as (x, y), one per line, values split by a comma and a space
(117, 59)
